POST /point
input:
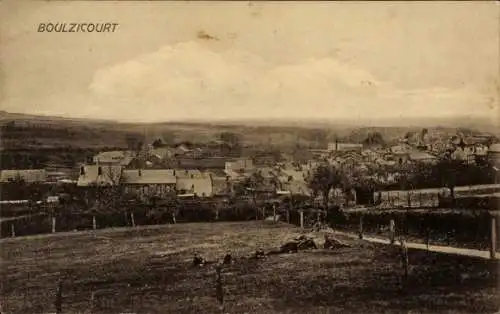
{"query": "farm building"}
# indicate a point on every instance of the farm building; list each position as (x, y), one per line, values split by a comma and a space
(99, 175)
(26, 175)
(150, 182)
(194, 182)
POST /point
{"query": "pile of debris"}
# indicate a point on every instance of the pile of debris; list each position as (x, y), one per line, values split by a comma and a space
(333, 243)
(302, 242)
(310, 242)
(315, 241)
(198, 260)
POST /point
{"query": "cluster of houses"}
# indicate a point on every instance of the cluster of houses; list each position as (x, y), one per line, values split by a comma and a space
(148, 182)
(218, 175)
(187, 171)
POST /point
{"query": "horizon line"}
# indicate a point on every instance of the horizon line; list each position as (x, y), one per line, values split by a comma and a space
(253, 119)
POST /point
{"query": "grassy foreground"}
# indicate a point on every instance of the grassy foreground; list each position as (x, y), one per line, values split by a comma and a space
(148, 270)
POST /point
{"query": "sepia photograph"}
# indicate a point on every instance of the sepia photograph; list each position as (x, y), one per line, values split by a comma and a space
(241, 157)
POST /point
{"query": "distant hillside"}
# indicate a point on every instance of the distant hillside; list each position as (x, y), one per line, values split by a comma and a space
(8, 116)
(23, 131)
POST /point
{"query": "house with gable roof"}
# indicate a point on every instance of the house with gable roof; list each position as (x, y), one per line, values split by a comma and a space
(193, 182)
(100, 175)
(145, 183)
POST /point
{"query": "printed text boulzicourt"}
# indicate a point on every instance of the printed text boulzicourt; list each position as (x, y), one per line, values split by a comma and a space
(77, 27)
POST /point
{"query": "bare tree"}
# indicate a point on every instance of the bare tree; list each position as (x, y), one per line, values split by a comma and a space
(323, 180)
(374, 138)
(104, 195)
(251, 186)
(448, 170)
(232, 140)
(134, 141)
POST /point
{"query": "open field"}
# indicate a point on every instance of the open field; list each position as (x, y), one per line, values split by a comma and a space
(51, 132)
(148, 270)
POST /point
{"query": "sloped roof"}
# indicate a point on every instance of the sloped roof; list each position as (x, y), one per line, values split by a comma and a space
(420, 155)
(217, 174)
(220, 187)
(494, 148)
(183, 148)
(353, 156)
(233, 174)
(127, 160)
(110, 175)
(471, 140)
(295, 174)
(27, 175)
(266, 172)
(297, 188)
(162, 152)
(382, 161)
(150, 176)
(400, 148)
(349, 145)
(114, 156)
(201, 186)
(188, 173)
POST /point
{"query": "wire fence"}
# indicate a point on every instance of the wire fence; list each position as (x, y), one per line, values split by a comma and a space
(470, 229)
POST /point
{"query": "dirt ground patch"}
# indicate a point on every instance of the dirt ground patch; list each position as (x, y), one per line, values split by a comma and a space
(149, 270)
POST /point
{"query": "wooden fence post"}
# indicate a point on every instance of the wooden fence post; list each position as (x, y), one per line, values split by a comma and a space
(392, 231)
(132, 219)
(404, 262)
(493, 238)
(53, 224)
(12, 230)
(92, 301)
(94, 223)
(274, 213)
(361, 226)
(302, 218)
(219, 289)
(25, 294)
(58, 301)
(427, 232)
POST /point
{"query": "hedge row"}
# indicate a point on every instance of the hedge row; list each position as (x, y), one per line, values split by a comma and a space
(472, 229)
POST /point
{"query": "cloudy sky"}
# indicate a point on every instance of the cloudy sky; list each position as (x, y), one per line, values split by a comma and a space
(182, 60)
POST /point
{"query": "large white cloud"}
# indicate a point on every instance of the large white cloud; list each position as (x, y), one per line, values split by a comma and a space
(193, 80)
